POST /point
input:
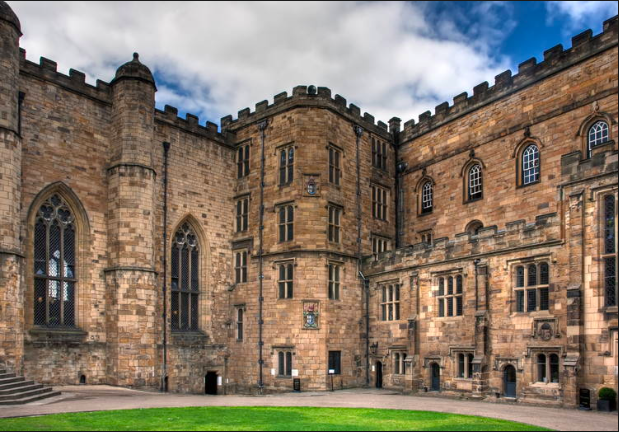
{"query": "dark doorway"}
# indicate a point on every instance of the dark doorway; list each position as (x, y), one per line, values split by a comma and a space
(509, 378)
(379, 375)
(435, 376)
(210, 384)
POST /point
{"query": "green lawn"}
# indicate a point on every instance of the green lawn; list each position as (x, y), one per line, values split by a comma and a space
(260, 419)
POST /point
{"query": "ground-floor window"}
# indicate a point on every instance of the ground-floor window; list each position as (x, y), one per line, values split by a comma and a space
(548, 368)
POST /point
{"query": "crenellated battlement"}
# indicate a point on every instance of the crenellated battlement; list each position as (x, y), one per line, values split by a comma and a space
(190, 123)
(304, 96)
(515, 235)
(47, 70)
(584, 45)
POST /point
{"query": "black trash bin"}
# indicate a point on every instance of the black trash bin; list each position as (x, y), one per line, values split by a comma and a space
(585, 399)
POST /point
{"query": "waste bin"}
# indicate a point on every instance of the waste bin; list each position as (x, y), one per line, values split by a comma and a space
(296, 385)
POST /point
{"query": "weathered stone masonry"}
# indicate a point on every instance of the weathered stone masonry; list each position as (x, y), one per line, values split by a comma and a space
(100, 149)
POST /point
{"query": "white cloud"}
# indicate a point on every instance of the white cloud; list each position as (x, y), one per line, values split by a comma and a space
(215, 58)
(581, 14)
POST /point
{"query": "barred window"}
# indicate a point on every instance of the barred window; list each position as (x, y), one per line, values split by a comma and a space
(284, 363)
(240, 266)
(242, 215)
(239, 324)
(450, 293)
(335, 215)
(598, 135)
(55, 275)
(530, 165)
(379, 202)
(427, 197)
(475, 183)
(390, 303)
(185, 279)
(286, 280)
(379, 154)
(380, 244)
(334, 281)
(286, 165)
(335, 169)
(286, 223)
(535, 295)
(242, 161)
(609, 249)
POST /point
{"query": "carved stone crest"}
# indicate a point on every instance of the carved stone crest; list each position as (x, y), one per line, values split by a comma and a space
(545, 329)
(311, 314)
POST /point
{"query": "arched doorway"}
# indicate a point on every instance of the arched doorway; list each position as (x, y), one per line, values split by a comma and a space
(379, 375)
(509, 381)
(210, 384)
(435, 377)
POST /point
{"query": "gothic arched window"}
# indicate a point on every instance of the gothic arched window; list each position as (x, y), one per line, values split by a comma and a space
(475, 183)
(427, 197)
(185, 279)
(597, 135)
(530, 165)
(55, 277)
(609, 250)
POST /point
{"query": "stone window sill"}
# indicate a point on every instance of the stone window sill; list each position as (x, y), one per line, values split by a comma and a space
(59, 334)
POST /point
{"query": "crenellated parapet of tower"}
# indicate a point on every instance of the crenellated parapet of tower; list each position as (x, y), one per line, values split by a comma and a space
(556, 59)
(306, 97)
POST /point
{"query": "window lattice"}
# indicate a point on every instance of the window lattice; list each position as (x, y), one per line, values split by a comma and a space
(286, 165)
(475, 182)
(427, 198)
(536, 294)
(609, 249)
(54, 265)
(390, 303)
(185, 279)
(286, 223)
(286, 280)
(530, 165)
(450, 302)
(598, 134)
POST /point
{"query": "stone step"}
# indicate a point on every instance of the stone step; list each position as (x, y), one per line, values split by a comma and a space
(25, 394)
(27, 400)
(11, 380)
(7, 375)
(21, 389)
(15, 384)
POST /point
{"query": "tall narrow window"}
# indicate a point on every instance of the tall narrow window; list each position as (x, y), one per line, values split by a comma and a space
(335, 362)
(286, 280)
(284, 364)
(532, 291)
(335, 168)
(541, 368)
(239, 324)
(609, 249)
(379, 202)
(286, 165)
(286, 223)
(598, 135)
(530, 165)
(240, 266)
(185, 279)
(242, 215)
(380, 244)
(55, 277)
(450, 296)
(475, 183)
(242, 161)
(390, 304)
(379, 154)
(554, 368)
(427, 198)
(334, 281)
(335, 215)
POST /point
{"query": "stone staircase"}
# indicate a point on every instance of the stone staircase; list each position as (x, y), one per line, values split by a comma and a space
(16, 390)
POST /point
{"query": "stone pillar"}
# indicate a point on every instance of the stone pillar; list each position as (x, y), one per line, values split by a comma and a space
(132, 285)
(574, 225)
(482, 328)
(11, 278)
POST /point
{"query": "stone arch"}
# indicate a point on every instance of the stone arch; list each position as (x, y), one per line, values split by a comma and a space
(464, 174)
(205, 304)
(419, 192)
(585, 125)
(518, 153)
(473, 227)
(83, 250)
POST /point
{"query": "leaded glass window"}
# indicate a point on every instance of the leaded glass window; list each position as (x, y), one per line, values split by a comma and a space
(475, 182)
(450, 296)
(535, 296)
(185, 279)
(55, 275)
(609, 250)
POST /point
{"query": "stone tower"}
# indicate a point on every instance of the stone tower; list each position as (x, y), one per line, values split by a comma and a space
(131, 278)
(11, 296)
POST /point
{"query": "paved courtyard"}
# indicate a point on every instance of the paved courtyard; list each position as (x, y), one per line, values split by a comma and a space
(99, 398)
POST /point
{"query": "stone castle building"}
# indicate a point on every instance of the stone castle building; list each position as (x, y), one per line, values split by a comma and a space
(473, 252)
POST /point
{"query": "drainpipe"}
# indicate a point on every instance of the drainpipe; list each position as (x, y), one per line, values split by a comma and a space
(365, 282)
(164, 384)
(262, 127)
(476, 262)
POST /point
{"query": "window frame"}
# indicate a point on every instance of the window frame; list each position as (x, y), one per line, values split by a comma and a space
(178, 290)
(379, 154)
(608, 249)
(334, 224)
(537, 166)
(596, 141)
(425, 210)
(335, 155)
(285, 363)
(240, 324)
(523, 291)
(243, 156)
(479, 195)
(285, 222)
(286, 165)
(546, 369)
(242, 214)
(380, 244)
(285, 286)
(334, 281)
(390, 301)
(241, 266)
(450, 295)
(380, 202)
(335, 362)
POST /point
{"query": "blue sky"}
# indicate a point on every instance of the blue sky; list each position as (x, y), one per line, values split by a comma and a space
(389, 58)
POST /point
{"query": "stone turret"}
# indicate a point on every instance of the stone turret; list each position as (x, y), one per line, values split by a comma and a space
(131, 277)
(11, 294)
